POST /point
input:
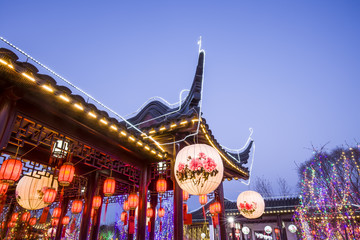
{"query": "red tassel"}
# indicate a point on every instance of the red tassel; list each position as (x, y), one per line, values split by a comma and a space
(44, 215)
(160, 225)
(204, 212)
(63, 232)
(107, 202)
(131, 224)
(149, 226)
(72, 227)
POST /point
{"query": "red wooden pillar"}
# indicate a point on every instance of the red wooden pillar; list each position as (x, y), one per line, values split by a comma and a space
(143, 188)
(64, 206)
(222, 217)
(178, 213)
(8, 99)
(153, 204)
(86, 215)
(96, 220)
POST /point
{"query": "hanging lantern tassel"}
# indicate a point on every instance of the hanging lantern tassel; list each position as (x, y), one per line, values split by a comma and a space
(160, 225)
(149, 226)
(44, 215)
(63, 232)
(215, 220)
(132, 225)
(72, 227)
(107, 202)
(204, 212)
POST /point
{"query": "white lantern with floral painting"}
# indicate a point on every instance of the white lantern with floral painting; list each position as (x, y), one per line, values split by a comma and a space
(292, 228)
(198, 169)
(30, 190)
(245, 230)
(251, 204)
(268, 229)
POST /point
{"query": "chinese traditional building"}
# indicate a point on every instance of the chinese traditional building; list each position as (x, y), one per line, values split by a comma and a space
(45, 125)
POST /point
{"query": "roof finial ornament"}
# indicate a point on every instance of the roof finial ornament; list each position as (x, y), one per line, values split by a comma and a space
(199, 43)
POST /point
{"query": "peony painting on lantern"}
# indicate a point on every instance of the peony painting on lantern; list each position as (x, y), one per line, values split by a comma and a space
(250, 204)
(198, 169)
(30, 190)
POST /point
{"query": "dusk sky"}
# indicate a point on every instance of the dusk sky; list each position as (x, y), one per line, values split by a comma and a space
(288, 69)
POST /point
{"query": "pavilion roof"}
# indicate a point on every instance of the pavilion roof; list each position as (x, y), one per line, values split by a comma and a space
(162, 123)
(27, 78)
(279, 205)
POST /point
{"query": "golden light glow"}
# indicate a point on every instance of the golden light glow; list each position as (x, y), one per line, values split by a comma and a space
(132, 138)
(153, 152)
(114, 127)
(65, 98)
(173, 125)
(162, 128)
(184, 122)
(147, 148)
(139, 143)
(103, 121)
(7, 64)
(28, 77)
(48, 88)
(152, 131)
(91, 114)
(123, 133)
(160, 156)
(78, 106)
(195, 120)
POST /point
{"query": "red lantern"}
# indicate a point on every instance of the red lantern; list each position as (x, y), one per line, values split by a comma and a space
(76, 206)
(11, 224)
(109, 187)
(56, 212)
(14, 217)
(123, 216)
(10, 171)
(54, 222)
(25, 217)
(203, 199)
(65, 220)
(185, 196)
(50, 195)
(217, 207)
(66, 174)
(161, 185)
(161, 212)
(3, 188)
(32, 221)
(133, 201)
(149, 212)
(96, 202)
(126, 205)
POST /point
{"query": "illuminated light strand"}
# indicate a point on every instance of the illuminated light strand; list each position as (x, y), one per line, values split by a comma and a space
(65, 98)
(28, 77)
(48, 88)
(6, 64)
(78, 106)
(93, 115)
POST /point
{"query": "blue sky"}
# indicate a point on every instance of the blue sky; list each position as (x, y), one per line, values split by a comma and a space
(288, 69)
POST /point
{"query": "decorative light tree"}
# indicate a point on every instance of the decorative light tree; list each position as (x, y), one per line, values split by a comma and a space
(328, 195)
